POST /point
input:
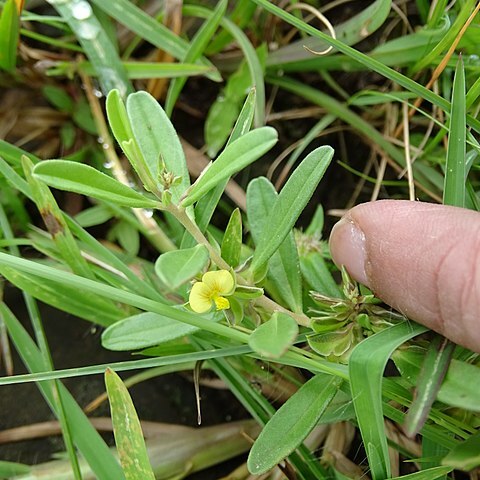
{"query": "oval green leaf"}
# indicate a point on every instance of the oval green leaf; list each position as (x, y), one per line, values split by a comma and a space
(290, 203)
(86, 180)
(283, 266)
(157, 139)
(292, 423)
(144, 330)
(273, 338)
(178, 266)
(232, 240)
(236, 156)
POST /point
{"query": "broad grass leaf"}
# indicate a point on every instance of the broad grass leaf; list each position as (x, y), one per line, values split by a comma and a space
(466, 455)
(292, 423)
(86, 180)
(434, 368)
(283, 266)
(290, 203)
(9, 35)
(65, 297)
(455, 391)
(148, 28)
(232, 240)
(236, 156)
(366, 366)
(131, 447)
(178, 266)
(273, 338)
(157, 139)
(88, 441)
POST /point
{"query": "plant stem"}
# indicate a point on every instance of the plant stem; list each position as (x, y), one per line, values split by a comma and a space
(268, 304)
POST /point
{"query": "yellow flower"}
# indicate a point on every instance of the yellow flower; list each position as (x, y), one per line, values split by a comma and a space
(211, 290)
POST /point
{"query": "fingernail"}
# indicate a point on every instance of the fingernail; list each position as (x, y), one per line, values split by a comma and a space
(347, 245)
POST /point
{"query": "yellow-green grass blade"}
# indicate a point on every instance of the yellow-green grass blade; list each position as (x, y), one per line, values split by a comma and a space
(127, 430)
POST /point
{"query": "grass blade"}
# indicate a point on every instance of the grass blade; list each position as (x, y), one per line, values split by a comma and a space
(88, 441)
(9, 35)
(366, 60)
(127, 430)
(150, 29)
(433, 371)
(95, 43)
(366, 366)
(466, 455)
(197, 46)
(455, 168)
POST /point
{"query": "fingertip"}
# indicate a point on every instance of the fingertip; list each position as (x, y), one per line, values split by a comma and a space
(347, 246)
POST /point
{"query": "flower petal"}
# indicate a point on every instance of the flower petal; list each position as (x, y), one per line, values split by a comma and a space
(220, 282)
(200, 298)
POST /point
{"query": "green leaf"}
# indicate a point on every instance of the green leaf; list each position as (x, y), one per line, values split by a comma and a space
(96, 45)
(127, 430)
(59, 98)
(206, 206)
(55, 223)
(366, 367)
(434, 368)
(64, 297)
(179, 266)
(197, 46)
(290, 203)
(11, 469)
(283, 266)
(273, 338)
(455, 168)
(292, 423)
(223, 112)
(232, 240)
(79, 178)
(9, 35)
(118, 118)
(315, 271)
(466, 455)
(350, 32)
(157, 140)
(429, 474)
(149, 28)
(454, 390)
(90, 444)
(236, 156)
(90, 217)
